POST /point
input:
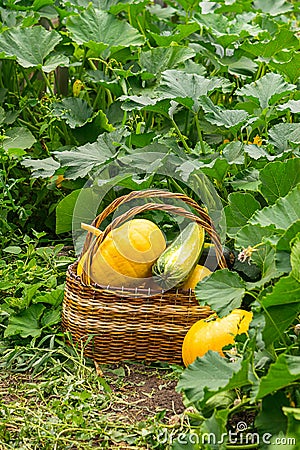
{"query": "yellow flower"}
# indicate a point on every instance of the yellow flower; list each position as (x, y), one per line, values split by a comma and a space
(59, 180)
(257, 140)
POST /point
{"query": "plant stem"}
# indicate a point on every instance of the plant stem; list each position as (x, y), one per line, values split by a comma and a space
(199, 134)
(47, 83)
(269, 317)
(260, 71)
(182, 138)
(28, 124)
(83, 63)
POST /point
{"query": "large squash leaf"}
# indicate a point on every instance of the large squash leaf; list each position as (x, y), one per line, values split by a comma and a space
(87, 158)
(75, 111)
(18, 137)
(32, 47)
(273, 7)
(282, 214)
(98, 26)
(222, 291)
(26, 323)
(228, 118)
(210, 374)
(284, 371)
(278, 178)
(240, 208)
(159, 59)
(267, 90)
(178, 85)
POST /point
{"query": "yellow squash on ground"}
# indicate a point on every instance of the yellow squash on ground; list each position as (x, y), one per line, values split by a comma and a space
(126, 254)
(209, 334)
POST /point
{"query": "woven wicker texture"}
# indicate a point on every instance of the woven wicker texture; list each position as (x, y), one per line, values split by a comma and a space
(117, 324)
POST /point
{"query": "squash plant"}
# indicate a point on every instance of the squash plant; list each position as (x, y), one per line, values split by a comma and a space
(100, 98)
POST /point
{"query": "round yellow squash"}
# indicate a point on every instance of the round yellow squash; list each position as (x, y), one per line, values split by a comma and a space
(197, 275)
(208, 334)
(127, 254)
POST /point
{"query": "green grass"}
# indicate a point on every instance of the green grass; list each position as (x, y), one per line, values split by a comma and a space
(68, 403)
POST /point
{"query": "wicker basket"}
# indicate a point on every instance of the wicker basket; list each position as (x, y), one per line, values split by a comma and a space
(117, 324)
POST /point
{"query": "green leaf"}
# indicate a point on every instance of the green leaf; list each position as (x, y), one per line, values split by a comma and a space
(284, 243)
(282, 214)
(217, 169)
(55, 297)
(18, 137)
(178, 85)
(240, 208)
(13, 249)
(243, 66)
(292, 105)
(84, 201)
(228, 118)
(248, 180)
(51, 317)
(271, 418)
(273, 7)
(267, 90)
(234, 153)
(215, 426)
(133, 102)
(94, 126)
(231, 285)
(42, 168)
(264, 258)
(210, 374)
(295, 258)
(75, 111)
(95, 25)
(159, 59)
(282, 373)
(180, 32)
(278, 178)
(55, 60)
(251, 235)
(87, 158)
(281, 134)
(30, 46)
(286, 290)
(26, 323)
(289, 68)
(256, 152)
(282, 306)
(283, 40)
(293, 429)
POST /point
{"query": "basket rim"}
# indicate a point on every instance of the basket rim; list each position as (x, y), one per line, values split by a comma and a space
(121, 290)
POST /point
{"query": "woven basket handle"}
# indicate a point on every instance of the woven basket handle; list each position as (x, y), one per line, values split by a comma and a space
(153, 193)
(202, 218)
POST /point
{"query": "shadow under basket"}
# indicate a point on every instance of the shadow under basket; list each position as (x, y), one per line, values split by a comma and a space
(133, 325)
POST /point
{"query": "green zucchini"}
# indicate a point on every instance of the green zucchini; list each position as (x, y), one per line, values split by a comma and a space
(176, 263)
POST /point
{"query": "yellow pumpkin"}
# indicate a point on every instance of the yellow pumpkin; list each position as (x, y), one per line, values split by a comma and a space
(127, 254)
(208, 334)
(197, 275)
